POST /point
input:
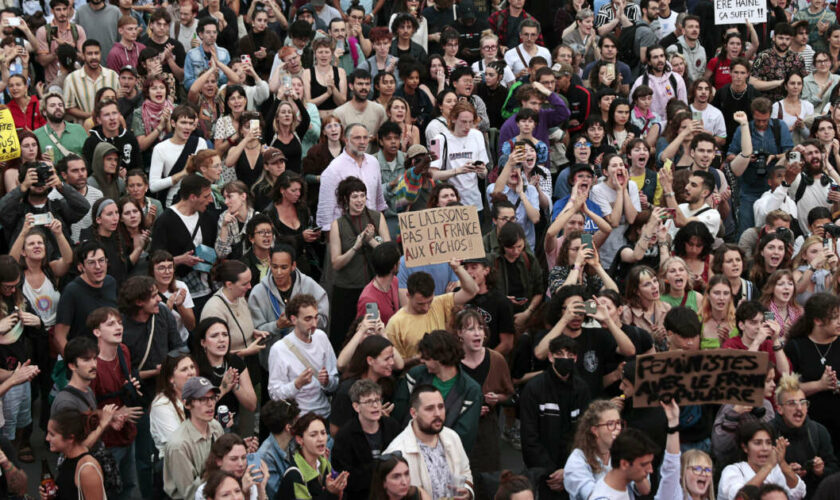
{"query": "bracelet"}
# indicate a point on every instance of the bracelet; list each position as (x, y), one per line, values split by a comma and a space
(672, 430)
(669, 193)
(777, 348)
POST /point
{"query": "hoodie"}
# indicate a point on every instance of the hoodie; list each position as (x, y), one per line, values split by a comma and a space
(125, 142)
(266, 304)
(98, 177)
(806, 442)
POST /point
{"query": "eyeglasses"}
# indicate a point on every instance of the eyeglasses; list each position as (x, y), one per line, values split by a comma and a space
(165, 267)
(822, 61)
(371, 402)
(208, 399)
(97, 263)
(490, 47)
(699, 469)
(586, 144)
(263, 232)
(612, 425)
(9, 288)
(796, 404)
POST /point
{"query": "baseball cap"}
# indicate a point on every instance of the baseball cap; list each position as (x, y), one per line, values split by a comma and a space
(579, 167)
(271, 155)
(466, 10)
(130, 68)
(562, 69)
(476, 260)
(197, 387)
(318, 3)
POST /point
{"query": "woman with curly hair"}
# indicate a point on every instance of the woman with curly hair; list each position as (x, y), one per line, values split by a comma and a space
(772, 253)
(353, 236)
(150, 121)
(693, 242)
(778, 295)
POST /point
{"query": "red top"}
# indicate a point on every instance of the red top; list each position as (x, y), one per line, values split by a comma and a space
(110, 378)
(389, 303)
(30, 118)
(766, 346)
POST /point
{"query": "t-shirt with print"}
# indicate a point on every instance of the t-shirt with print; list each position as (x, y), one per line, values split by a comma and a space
(595, 350)
(497, 312)
(438, 469)
(460, 151)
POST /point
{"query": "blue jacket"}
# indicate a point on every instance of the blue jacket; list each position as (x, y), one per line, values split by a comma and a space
(197, 61)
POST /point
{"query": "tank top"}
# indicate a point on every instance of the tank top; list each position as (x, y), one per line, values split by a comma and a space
(66, 478)
(316, 89)
(43, 299)
(358, 272)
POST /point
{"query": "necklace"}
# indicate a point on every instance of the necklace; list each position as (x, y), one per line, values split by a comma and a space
(737, 97)
(820, 353)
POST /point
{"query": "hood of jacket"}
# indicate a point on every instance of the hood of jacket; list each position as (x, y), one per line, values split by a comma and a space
(97, 166)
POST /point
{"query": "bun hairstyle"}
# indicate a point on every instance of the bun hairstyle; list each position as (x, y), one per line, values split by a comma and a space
(75, 425)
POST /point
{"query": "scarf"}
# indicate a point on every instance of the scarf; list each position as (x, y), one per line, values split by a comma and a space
(151, 112)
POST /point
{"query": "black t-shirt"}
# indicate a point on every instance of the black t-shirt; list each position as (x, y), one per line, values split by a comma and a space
(216, 374)
(524, 361)
(595, 350)
(497, 312)
(805, 359)
(80, 299)
(375, 442)
(480, 372)
(728, 102)
(178, 50)
(515, 287)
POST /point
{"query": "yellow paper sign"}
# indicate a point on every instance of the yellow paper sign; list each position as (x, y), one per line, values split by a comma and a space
(9, 143)
(439, 235)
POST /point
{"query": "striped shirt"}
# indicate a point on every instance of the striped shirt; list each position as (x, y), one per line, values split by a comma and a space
(80, 89)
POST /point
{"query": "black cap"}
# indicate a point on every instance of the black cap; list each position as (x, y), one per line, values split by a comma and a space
(476, 260)
(466, 10)
(579, 167)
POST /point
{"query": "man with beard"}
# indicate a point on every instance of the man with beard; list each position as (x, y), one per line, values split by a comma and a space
(185, 30)
(809, 451)
(99, 19)
(773, 65)
(690, 47)
(551, 404)
(93, 288)
(80, 86)
(31, 197)
(811, 187)
(64, 137)
(359, 109)
(658, 76)
(758, 144)
(700, 185)
(73, 169)
(111, 131)
(59, 31)
(435, 455)
(353, 161)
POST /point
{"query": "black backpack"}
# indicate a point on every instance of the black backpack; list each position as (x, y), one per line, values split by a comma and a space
(626, 42)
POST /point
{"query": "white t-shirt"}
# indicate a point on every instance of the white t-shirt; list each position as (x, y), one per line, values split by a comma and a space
(507, 78)
(605, 196)
(516, 64)
(604, 492)
(164, 157)
(713, 120)
(188, 303)
(710, 217)
(460, 151)
(667, 25)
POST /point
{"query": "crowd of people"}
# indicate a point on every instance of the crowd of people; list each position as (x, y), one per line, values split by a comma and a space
(203, 294)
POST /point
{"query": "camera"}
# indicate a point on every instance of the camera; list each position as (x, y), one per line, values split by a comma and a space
(760, 163)
(832, 229)
(44, 173)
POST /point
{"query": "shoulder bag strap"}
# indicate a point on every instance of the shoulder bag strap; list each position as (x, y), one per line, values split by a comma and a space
(299, 355)
(76, 393)
(148, 345)
(244, 340)
(123, 365)
(79, 476)
(521, 58)
(189, 148)
(54, 139)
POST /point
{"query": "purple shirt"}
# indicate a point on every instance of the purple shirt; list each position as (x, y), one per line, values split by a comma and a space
(551, 116)
(342, 167)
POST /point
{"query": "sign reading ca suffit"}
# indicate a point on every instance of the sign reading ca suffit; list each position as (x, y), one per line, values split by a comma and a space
(438, 235)
(718, 376)
(740, 11)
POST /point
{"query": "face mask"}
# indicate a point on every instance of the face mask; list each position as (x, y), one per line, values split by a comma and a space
(564, 366)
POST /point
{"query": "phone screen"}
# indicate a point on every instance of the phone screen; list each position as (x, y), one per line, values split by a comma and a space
(586, 239)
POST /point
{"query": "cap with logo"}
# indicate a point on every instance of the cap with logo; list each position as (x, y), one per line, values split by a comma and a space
(197, 387)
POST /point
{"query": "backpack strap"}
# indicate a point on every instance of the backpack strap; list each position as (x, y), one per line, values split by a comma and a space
(800, 190)
(776, 127)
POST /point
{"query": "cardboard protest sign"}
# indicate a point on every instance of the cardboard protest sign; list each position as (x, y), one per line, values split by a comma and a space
(718, 376)
(740, 11)
(9, 143)
(439, 235)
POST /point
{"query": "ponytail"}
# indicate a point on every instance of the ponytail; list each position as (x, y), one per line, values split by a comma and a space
(71, 423)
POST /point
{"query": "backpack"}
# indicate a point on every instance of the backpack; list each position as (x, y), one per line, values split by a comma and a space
(74, 31)
(626, 43)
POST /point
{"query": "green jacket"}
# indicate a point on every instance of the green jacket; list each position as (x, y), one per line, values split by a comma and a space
(463, 403)
(530, 273)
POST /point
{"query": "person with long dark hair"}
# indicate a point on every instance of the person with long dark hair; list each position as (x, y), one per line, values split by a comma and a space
(693, 243)
(311, 473)
(105, 229)
(392, 480)
(772, 253)
(292, 220)
(229, 454)
(167, 410)
(80, 474)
